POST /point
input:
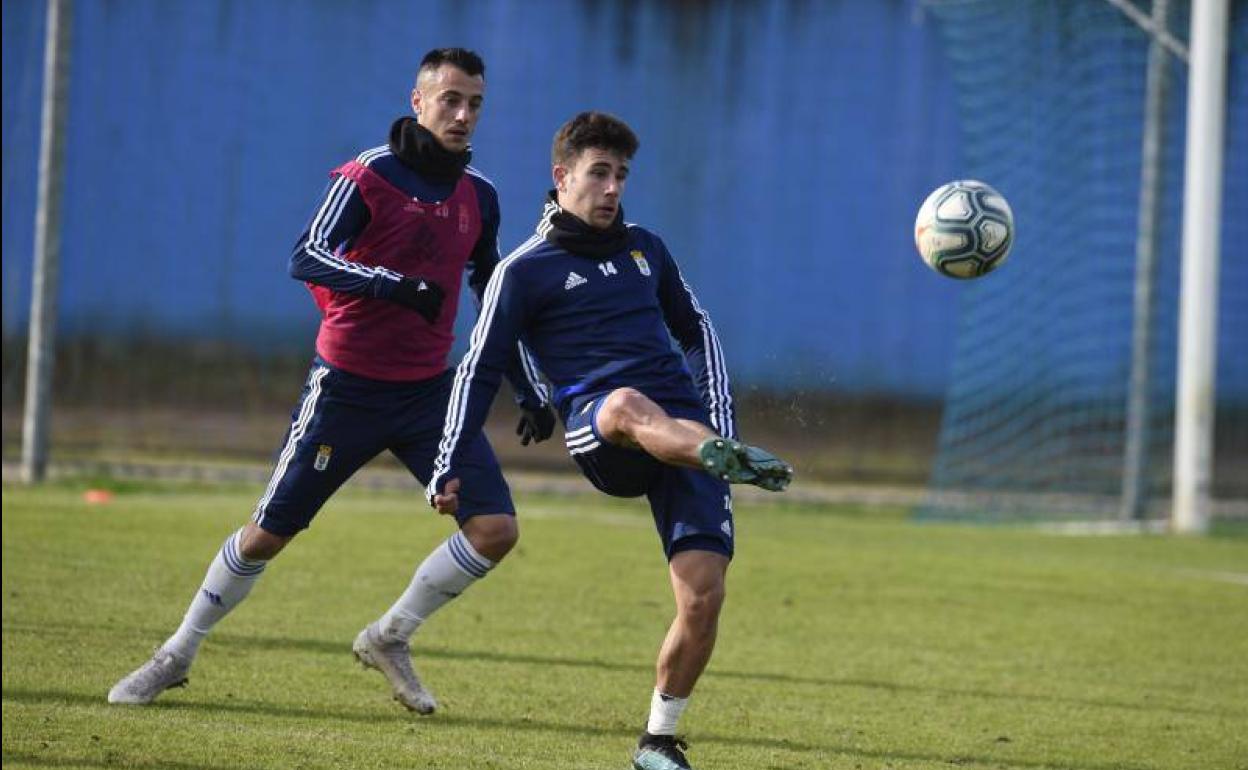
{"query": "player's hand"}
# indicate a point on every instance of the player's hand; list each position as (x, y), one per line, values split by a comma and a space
(536, 425)
(447, 502)
(419, 294)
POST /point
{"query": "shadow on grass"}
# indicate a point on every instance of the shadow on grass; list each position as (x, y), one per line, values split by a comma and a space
(489, 657)
(112, 761)
(524, 724)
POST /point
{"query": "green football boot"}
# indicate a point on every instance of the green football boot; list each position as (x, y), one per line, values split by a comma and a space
(739, 463)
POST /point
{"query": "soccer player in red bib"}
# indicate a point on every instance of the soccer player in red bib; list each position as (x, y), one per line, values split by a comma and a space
(383, 255)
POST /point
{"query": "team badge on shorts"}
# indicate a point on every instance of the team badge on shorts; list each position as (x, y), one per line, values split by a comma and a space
(640, 259)
(322, 457)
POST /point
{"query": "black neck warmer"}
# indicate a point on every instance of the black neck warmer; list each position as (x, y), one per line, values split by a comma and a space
(413, 144)
(570, 233)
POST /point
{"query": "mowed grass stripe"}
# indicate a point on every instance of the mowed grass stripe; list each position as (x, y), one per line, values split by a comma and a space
(851, 639)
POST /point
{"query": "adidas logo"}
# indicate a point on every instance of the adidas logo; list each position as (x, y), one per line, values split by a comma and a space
(573, 281)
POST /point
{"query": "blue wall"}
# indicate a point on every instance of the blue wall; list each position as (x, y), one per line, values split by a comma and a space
(785, 147)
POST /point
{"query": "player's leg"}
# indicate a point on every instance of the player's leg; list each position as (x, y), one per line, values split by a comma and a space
(487, 532)
(231, 575)
(616, 469)
(693, 516)
(626, 417)
(322, 448)
(698, 584)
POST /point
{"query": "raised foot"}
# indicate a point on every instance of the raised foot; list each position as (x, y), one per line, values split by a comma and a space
(739, 463)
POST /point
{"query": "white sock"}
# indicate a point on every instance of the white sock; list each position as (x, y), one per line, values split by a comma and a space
(665, 711)
(229, 580)
(443, 575)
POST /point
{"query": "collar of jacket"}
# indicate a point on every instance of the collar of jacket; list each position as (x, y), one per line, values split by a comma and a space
(416, 147)
(570, 233)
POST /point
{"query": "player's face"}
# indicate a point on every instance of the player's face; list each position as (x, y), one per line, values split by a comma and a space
(447, 101)
(592, 185)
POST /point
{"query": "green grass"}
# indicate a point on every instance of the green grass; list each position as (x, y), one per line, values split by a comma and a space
(851, 639)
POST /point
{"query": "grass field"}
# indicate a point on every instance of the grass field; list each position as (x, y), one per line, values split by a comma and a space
(852, 639)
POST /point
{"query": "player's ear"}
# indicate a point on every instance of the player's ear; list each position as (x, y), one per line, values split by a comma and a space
(559, 173)
(416, 101)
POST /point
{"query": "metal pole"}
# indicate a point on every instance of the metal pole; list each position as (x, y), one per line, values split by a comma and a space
(1135, 460)
(42, 332)
(1198, 304)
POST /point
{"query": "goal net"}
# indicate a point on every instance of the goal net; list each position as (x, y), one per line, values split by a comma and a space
(1051, 97)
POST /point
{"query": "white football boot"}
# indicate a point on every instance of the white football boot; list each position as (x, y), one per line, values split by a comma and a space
(142, 685)
(394, 661)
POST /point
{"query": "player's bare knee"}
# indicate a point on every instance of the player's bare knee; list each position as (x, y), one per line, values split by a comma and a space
(622, 412)
(701, 607)
(492, 536)
(257, 544)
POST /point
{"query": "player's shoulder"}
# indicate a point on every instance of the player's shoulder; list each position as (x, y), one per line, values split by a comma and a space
(373, 156)
(482, 181)
(487, 192)
(380, 160)
(517, 269)
(534, 258)
(533, 251)
(642, 238)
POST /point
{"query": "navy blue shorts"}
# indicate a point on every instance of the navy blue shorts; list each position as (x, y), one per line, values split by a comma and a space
(342, 421)
(692, 509)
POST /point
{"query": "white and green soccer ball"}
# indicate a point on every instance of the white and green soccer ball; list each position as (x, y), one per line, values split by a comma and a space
(964, 229)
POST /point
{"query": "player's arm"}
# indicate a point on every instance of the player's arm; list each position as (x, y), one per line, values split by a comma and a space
(316, 259)
(692, 329)
(479, 374)
(532, 395)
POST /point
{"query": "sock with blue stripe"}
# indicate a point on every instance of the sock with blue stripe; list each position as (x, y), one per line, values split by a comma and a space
(443, 575)
(230, 578)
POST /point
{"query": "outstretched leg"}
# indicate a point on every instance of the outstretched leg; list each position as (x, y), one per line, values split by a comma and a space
(628, 418)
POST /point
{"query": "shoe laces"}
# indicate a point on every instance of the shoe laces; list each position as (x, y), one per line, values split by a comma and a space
(670, 746)
(162, 658)
(399, 654)
(162, 667)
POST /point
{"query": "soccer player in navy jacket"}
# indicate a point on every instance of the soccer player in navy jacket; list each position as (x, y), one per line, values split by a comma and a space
(598, 303)
(384, 256)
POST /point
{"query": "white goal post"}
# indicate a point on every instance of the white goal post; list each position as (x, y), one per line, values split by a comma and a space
(1198, 304)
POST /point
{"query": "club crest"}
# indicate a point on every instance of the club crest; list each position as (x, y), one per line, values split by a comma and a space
(322, 457)
(640, 259)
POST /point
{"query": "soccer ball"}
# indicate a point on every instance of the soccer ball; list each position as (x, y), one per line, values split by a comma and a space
(964, 229)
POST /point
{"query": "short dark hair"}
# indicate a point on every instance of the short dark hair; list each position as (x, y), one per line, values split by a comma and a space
(593, 129)
(468, 61)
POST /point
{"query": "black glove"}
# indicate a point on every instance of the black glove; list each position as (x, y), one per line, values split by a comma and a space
(536, 425)
(421, 295)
